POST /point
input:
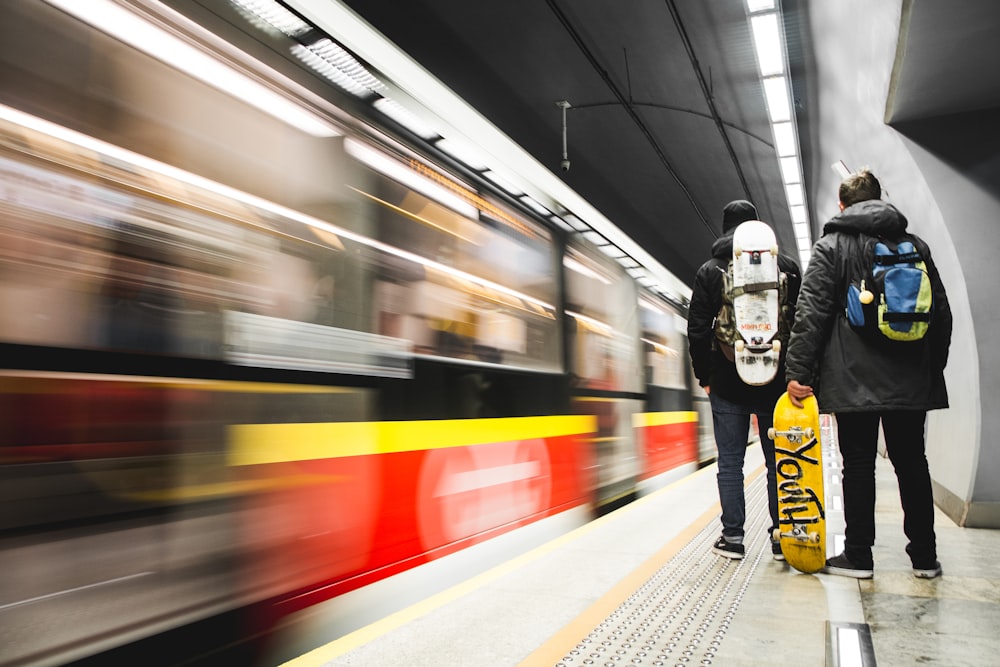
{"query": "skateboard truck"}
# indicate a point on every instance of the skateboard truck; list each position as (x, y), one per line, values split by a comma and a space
(741, 345)
(797, 533)
(795, 434)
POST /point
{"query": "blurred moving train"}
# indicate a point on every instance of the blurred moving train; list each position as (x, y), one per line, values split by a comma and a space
(252, 371)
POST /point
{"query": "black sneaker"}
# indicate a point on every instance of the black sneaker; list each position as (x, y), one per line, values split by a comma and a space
(927, 572)
(776, 550)
(845, 568)
(728, 549)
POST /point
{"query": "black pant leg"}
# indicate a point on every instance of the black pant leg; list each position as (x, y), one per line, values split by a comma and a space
(858, 436)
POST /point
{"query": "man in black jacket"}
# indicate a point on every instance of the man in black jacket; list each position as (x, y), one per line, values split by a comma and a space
(732, 400)
(865, 381)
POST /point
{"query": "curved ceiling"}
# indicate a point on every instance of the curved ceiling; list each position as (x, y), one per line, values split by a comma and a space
(667, 119)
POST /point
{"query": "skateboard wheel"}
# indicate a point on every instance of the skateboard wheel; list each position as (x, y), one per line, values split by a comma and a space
(740, 345)
(776, 346)
(774, 250)
(770, 433)
(814, 538)
(866, 297)
(737, 250)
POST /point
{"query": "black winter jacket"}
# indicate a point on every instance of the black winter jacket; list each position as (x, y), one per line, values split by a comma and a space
(850, 372)
(711, 367)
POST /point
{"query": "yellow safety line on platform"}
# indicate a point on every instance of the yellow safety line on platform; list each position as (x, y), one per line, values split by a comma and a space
(560, 644)
(328, 652)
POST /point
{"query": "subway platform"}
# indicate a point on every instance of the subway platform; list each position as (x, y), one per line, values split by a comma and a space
(641, 586)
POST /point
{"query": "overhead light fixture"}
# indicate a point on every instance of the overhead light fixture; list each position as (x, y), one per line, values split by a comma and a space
(139, 33)
(794, 193)
(535, 206)
(340, 67)
(461, 152)
(784, 139)
(769, 45)
(767, 40)
(776, 93)
(790, 170)
(406, 118)
(271, 17)
(503, 183)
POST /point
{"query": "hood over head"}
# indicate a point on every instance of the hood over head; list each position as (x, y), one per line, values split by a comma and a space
(873, 217)
(736, 212)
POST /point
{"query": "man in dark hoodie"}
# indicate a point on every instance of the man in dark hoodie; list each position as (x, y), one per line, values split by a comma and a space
(865, 381)
(732, 400)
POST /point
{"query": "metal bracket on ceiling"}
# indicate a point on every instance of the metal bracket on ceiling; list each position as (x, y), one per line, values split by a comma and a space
(564, 165)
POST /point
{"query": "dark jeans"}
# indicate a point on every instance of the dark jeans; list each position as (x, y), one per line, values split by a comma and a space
(732, 429)
(904, 442)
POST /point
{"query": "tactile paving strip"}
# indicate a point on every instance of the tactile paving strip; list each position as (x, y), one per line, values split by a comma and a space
(680, 616)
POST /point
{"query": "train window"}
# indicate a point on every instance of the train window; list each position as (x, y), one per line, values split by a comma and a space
(460, 276)
(602, 324)
(663, 343)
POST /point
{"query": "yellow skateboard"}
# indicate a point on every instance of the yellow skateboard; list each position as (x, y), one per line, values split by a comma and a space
(799, 465)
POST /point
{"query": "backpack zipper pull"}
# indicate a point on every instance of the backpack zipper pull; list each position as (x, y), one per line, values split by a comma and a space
(865, 296)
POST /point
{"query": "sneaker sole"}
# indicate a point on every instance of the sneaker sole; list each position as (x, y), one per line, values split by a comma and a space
(927, 574)
(728, 554)
(846, 572)
(779, 556)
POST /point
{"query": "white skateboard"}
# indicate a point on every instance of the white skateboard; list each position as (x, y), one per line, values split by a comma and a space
(755, 302)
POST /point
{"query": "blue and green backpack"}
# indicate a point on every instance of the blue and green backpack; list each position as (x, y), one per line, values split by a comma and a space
(891, 293)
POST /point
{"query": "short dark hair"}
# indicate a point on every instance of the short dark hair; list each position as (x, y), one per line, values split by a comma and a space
(859, 186)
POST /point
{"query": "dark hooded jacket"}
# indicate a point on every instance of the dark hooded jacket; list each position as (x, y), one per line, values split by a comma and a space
(710, 365)
(852, 372)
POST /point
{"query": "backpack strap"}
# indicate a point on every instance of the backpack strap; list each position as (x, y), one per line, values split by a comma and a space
(754, 287)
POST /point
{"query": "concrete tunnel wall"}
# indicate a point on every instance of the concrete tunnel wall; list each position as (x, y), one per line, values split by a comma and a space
(944, 175)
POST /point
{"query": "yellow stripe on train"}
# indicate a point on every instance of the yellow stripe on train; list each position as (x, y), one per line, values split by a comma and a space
(254, 444)
(662, 418)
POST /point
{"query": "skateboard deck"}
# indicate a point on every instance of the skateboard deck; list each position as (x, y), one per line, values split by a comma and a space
(755, 302)
(799, 464)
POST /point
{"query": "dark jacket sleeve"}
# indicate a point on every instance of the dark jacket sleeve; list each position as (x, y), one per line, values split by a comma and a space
(815, 311)
(704, 306)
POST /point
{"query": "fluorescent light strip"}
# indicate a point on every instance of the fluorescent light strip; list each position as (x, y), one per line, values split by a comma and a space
(562, 223)
(535, 206)
(342, 68)
(327, 70)
(776, 92)
(759, 5)
(394, 170)
(135, 31)
(143, 162)
(798, 212)
(270, 16)
(503, 183)
(784, 139)
(767, 40)
(793, 191)
(790, 170)
(404, 117)
(462, 153)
